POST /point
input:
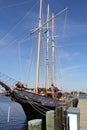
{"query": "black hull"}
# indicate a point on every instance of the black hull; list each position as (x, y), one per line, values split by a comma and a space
(35, 108)
(34, 105)
(31, 113)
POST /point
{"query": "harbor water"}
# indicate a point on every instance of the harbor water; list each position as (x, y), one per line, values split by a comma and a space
(12, 116)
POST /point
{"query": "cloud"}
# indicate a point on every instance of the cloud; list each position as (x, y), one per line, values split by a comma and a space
(67, 55)
(71, 68)
(75, 28)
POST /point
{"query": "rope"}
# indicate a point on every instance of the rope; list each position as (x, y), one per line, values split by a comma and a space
(29, 63)
(9, 6)
(64, 24)
(6, 79)
(42, 62)
(13, 28)
(20, 63)
(60, 73)
(42, 106)
(36, 109)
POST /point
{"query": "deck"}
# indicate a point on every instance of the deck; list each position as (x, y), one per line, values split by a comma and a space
(83, 114)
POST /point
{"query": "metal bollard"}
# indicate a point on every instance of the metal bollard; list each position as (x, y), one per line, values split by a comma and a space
(35, 124)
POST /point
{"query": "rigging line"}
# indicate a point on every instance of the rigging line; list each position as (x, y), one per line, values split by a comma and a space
(28, 67)
(33, 54)
(42, 71)
(13, 42)
(59, 71)
(13, 5)
(45, 3)
(62, 41)
(7, 78)
(19, 55)
(39, 104)
(50, 53)
(50, 60)
(36, 105)
(36, 109)
(9, 44)
(64, 25)
(20, 62)
(43, 107)
(38, 28)
(13, 28)
(40, 109)
(10, 82)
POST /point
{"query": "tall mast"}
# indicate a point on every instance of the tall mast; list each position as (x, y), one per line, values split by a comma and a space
(46, 85)
(38, 54)
(53, 49)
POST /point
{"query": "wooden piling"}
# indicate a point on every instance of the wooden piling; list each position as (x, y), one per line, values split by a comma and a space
(54, 119)
(35, 124)
(59, 119)
(50, 119)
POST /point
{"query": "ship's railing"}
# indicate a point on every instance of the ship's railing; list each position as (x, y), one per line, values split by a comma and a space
(7, 79)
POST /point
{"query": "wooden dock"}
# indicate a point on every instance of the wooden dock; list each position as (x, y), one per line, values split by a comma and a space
(83, 114)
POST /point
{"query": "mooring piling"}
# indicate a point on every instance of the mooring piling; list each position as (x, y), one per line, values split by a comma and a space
(35, 124)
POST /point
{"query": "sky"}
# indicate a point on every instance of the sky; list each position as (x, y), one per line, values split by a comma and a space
(17, 58)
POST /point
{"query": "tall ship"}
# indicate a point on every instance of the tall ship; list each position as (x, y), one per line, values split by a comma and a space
(38, 100)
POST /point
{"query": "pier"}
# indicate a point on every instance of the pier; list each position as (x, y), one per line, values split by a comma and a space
(83, 117)
(83, 114)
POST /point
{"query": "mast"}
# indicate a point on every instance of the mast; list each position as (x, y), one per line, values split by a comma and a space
(38, 54)
(46, 85)
(52, 48)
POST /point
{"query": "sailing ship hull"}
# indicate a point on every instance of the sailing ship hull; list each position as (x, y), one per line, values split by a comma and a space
(35, 106)
(31, 114)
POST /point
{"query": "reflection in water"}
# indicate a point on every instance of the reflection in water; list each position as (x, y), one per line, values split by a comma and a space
(16, 119)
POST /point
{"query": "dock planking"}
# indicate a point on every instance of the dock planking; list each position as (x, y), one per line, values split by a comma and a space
(83, 114)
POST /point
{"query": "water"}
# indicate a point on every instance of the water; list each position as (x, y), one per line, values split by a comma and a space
(16, 119)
